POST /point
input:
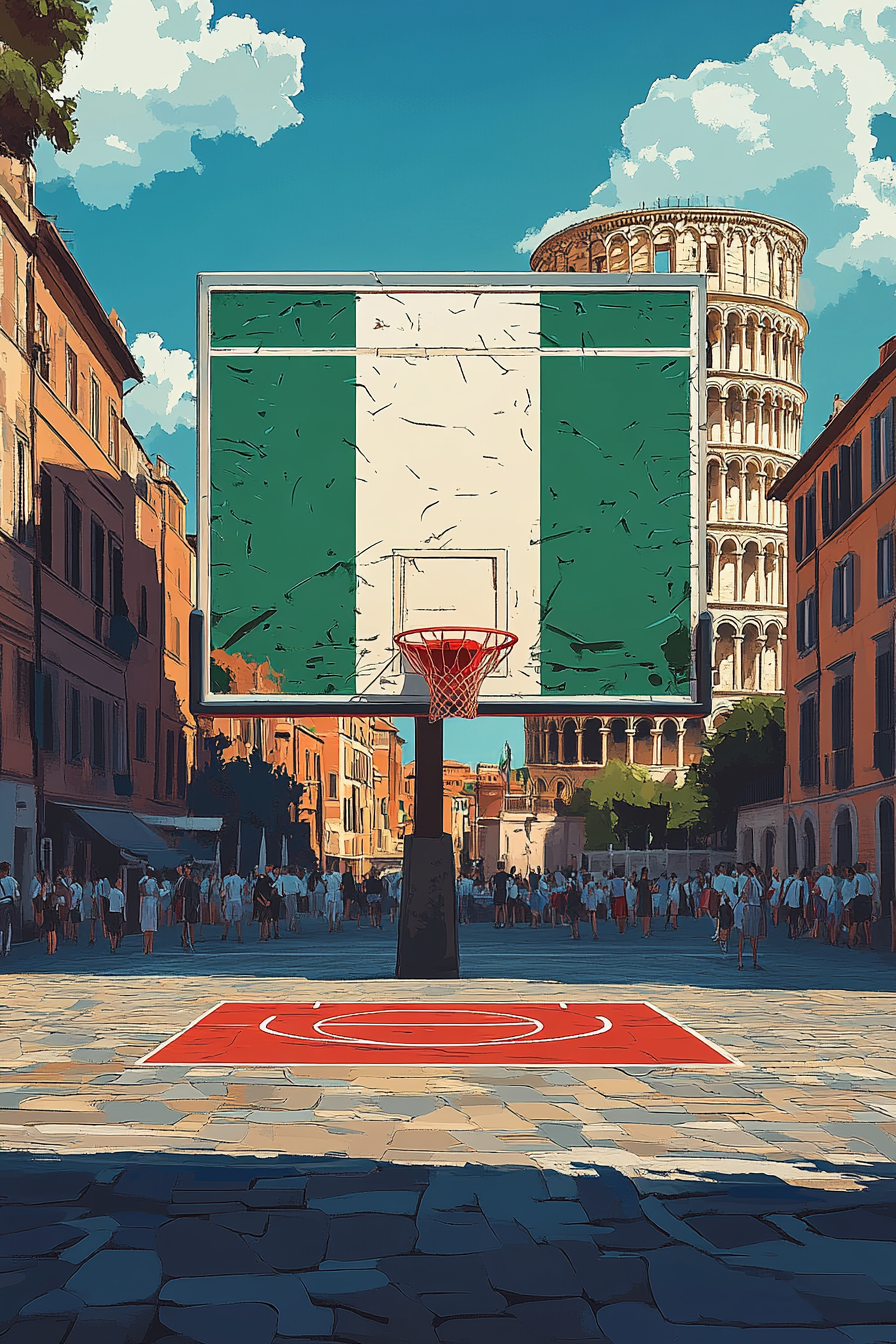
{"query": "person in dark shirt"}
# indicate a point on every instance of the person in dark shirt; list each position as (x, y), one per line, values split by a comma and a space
(373, 891)
(499, 883)
(261, 900)
(190, 907)
(574, 907)
(275, 899)
(645, 902)
(726, 921)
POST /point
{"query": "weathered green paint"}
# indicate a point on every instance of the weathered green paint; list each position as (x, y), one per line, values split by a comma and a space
(242, 318)
(283, 516)
(628, 320)
(615, 524)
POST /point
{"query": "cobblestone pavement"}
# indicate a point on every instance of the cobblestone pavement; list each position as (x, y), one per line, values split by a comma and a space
(450, 1204)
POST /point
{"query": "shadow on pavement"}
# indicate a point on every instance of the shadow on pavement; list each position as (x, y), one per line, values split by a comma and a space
(129, 1248)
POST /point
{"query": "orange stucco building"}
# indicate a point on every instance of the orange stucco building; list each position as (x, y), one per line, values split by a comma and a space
(840, 780)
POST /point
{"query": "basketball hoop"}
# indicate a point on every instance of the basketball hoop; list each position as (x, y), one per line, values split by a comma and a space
(455, 661)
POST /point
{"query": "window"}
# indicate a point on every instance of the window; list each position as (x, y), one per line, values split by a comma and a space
(712, 258)
(841, 731)
(885, 566)
(42, 345)
(175, 636)
(43, 699)
(72, 542)
(140, 733)
(850, 479)
(20, 521)
(884, 708)
(843, 592)
(20, 297)
(662, 262)
(71, 380)
(119, 740)
(883, 457)
(809, 743)
(73, 725)
(98, 736)
(97, 561)
(114, 433)
(807, 623)
(143, 616)
(94, 407)
(307, 764)
(116, 578)
(181, 765)
(825, 504)
(331, 785)
(46, 519)
(810, 542)
(169, 763)
(798, 528)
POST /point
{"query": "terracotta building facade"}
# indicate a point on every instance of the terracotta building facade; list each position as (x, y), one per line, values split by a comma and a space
(755, 336)
(840, 780)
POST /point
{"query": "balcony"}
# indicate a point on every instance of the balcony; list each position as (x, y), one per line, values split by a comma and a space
(766, 789)
(516, 802)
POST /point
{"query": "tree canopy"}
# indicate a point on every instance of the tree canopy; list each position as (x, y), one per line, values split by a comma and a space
(625, 801)
(253, 791)
(36, 37)
(746, 747)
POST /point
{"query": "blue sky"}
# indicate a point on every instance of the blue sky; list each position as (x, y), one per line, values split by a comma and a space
(439, 136)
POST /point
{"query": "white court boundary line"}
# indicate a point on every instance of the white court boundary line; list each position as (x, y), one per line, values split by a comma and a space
(731, 1060)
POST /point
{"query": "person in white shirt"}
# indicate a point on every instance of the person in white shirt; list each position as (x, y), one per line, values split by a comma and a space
(333, 901)
(149, 909)
(288, 887)
(232, 904)
(9, 899)
(115, 916)
(674, 899)
(793, 897)
(774, 894)
(76, 896)
(302, 902)
(749, 906)
(822, 892)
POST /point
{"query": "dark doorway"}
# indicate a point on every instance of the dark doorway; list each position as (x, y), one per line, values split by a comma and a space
(591, 742)
(809, 848)
(885, 819)
(768, 851)
(843, 856)
(570, 744)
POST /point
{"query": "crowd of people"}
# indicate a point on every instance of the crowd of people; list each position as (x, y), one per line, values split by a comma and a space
(835, 905)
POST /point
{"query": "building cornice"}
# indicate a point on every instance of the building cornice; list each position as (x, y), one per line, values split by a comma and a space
(685, 216)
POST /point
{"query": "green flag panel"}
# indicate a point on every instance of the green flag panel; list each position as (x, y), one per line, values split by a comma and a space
(615, 526)
(616, 321)
(242, 318)
(282, 534)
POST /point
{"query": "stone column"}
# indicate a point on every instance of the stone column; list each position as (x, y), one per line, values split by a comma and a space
(630, 741)
(605, 745)
(580, 733)
(738, 663)
(682, 729)
(657, 735)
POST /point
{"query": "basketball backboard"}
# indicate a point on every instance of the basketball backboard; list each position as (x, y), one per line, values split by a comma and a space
(380, 452)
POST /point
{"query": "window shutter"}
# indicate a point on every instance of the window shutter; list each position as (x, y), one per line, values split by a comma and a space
(836, 596)
(856, 465)
(875, 450)
(889, 447)
(825, 504)
(810, 521)
(813, 618)
(798, 529)
(848, 589)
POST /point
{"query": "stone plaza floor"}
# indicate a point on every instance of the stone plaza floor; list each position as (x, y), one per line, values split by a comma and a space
(449, 1204)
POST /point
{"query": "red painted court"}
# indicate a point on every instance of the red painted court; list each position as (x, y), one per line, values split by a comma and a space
(611, 1034)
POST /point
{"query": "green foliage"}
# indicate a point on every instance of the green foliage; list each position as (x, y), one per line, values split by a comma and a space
(623, 800)
(36, 37)
(250, 790)
(747, 746)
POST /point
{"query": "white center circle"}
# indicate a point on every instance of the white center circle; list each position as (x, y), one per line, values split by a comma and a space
(492, 1028)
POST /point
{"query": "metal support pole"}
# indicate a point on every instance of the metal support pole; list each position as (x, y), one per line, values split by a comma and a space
(427, 925)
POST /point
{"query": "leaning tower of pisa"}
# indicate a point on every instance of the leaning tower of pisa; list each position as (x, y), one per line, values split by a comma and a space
(755, 335)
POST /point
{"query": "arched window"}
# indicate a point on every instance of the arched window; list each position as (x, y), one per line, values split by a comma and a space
(669, 746)
(553, 746)
(643, 743)
(885, 827)
(570, 743)
(768, 851)
(591, 742)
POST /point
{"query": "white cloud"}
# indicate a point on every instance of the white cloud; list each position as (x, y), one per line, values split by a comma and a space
(156, 73)
(166, 399)
(801, 103)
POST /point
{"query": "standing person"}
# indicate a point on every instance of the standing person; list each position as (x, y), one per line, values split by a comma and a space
(464, 898)
(61, 897)
(863, 903)
(49, 920)
(87, 907)
(705, 892)
(823, 890)
(589, 901)
(574, 906)
(205, 892)
(726, 920)
(792, 898)
(349, 896)
(499, 884)
(261, 904)
(618, 903)
(36, 898)
(303, 904)
(774, 895)
(115, 915)
(9, 899)
(149, 909)
(191, 909)
(334, 904)
(288, 887)
(166, 893)
(674, 898)
(276, 901)
(386, 903)
(835, 915)
(645, 892)
(631, 898)
(750, 904)
(102, 891)
(661, 897)
(76, 896)
(721, 883)
(232, 902)
(854, 909)
(373, 892)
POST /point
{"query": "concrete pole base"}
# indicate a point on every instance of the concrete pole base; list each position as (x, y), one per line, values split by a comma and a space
(427, 925)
